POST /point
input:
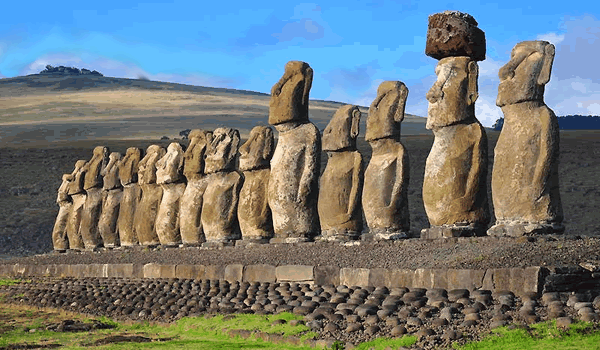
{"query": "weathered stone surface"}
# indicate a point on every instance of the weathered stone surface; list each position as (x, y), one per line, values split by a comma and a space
(147, 208)
(254, 213)
(454, 187)
(191, 201)
(289, 96)
(340, 190)
(354, 276)
(120, 270)
(295, 273)
(159, 271)
(260, 273)
(233, 272)
(385, 191)
(128, 168)
(525, 186)
(219, 219)
(112, 192)
(325, 275)
(453, 33)
(64, 201)
(77, 193)
(189, 271)
(93, 200)
(169, 175)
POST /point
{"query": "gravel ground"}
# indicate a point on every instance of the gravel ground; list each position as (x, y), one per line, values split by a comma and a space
(349, 314)
(472, 253)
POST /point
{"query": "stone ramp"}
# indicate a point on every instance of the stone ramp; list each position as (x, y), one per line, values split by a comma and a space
(519, 280)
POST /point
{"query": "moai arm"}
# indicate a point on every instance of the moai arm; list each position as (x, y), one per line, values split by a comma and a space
(401, 176)
(357, 181)
(311, 151)
(235, 196)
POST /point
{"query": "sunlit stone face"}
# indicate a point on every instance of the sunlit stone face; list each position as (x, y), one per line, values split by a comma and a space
(256, 153)
(342, 130)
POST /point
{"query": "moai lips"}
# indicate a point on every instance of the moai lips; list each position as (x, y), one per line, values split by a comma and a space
(128, 168)
(147, 208)
(340, 187)
(385, 190)
(190, 209)
(293, 185)
(254, 213)
(219, 219)
(525, 185)
(453, 33)
(169, 176)
(112, 192)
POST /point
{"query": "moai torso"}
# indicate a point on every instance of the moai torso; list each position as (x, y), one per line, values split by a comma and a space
(192, 199)
(254, 213)
(77, 193)
(60, 241)
(219, 219)
(93, 168)
(293, 184)
(525, 187)
(111, 201)
(169, 175)
(385, 192)
(340, 189)
(128, 168)
(147, 208)
(92, 208)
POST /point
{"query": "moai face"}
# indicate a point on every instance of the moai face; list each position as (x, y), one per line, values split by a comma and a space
(222, 151)
(128, 168)
(147, 166)
(111, 171)
(193, 165)
(76, 178)
(452, 97)
(524, 77)
(342, 130)
(170, 166)
(289, 96)
(387, 111)
(256, 153)
(94, 167)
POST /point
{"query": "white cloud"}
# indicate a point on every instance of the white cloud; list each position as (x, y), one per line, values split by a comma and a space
(553, 38)
(489, 68)
(486, 110)
(594, 108)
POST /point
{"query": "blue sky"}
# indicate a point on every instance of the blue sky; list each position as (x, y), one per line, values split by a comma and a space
(351, 45)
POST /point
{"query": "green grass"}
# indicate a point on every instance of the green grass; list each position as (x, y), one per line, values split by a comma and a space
(540, 336)
(10, 282)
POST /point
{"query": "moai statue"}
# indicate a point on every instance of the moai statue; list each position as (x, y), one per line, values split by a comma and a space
(525, 187)
(219, 216)
(254, 214)
(147, 208)
(294, 182)
(385, 192)
(454, 187)
(128, 175)
(190, 210)
(169, 175)
(93, 199)
(111, 201)
(60, 241)
(77, 193)
(340, 188)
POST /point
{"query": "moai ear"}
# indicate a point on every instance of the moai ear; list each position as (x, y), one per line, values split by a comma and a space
(473, 71)
(548, 58)
(308, 77)
(268, 146)
(354, 129)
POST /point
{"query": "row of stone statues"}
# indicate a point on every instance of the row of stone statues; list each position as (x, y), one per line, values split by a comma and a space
(208, 195)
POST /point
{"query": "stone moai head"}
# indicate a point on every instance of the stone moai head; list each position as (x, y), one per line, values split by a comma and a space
(193, 165)
(387, 111)
(147, 166)
(76, 178)
(452, 97)
(111, 172)
(169, 168)
(128, 168)
(93, 169)
(524, 77)
(289, 96)
(222, 151)
(256, 153)
(342, 130)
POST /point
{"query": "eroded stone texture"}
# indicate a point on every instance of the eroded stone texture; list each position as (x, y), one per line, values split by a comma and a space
(93, 200)
(525, 186)
(385, 196)
(454, 187)
(169, 174)
(191, 201)
(128, 168)
(341, 183)
(112, 192)
(76, 191)
(293, 184)
(147, 208)
(219, 219)
(453, 33)
(254, 213)
(60, 241)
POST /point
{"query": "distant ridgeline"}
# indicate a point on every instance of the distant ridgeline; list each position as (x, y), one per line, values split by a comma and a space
(569, 122)
(69, 70)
